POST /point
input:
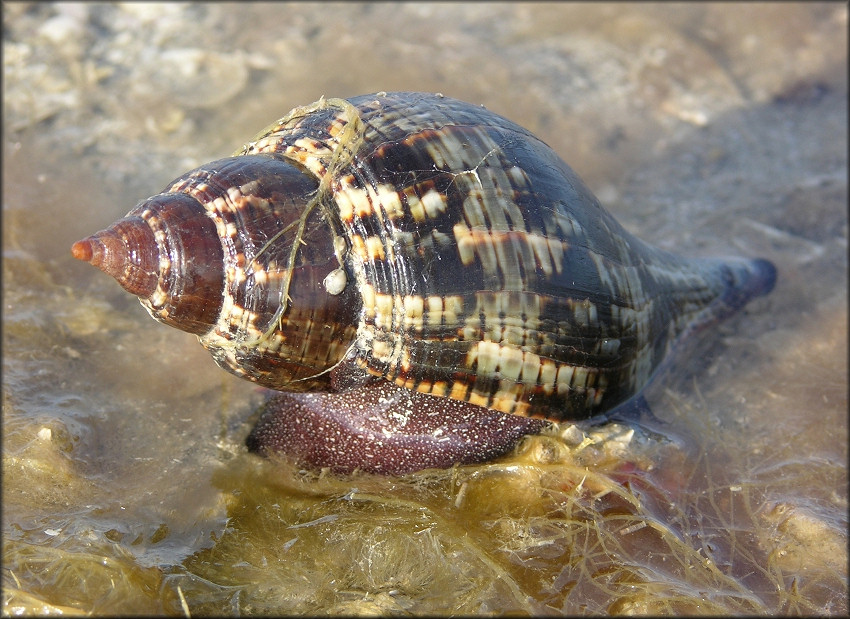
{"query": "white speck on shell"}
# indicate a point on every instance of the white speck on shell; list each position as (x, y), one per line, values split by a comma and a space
(335, 281)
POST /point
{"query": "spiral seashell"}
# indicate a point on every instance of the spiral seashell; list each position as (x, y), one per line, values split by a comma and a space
(424, 279)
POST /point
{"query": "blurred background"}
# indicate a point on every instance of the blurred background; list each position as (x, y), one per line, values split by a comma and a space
(705, 128)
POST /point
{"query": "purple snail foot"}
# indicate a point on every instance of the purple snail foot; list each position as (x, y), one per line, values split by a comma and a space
(385, 429)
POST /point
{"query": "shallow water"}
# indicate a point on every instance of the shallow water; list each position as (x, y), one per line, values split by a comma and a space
(706, 129)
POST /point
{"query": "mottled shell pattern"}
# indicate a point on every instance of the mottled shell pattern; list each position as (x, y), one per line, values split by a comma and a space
(429, 242)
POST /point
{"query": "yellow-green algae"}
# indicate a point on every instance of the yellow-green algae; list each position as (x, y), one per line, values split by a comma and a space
(522, 536)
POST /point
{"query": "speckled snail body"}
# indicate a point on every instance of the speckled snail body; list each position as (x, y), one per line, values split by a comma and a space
(423, 280)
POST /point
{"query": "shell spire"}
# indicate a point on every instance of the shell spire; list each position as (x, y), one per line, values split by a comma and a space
(166, 252)
(238, 252)
(121, 251)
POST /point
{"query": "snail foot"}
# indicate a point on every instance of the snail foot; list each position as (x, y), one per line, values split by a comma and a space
(382, 428)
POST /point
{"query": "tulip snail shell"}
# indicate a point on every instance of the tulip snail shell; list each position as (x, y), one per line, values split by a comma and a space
(425, 281)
